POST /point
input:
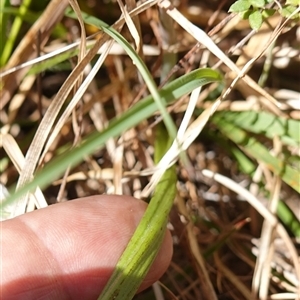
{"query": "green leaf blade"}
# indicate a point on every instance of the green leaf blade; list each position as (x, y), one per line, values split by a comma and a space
(142, 249)
(258, 3)
(258, 151)
(255, 20)
(240, 6)
(139, 112)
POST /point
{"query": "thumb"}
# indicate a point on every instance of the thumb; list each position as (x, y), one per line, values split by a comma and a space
(69, 250)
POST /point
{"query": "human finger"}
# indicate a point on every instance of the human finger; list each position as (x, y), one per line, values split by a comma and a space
(69, 250)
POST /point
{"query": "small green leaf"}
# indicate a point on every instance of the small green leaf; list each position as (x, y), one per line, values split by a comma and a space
(255, 20)
(245, 14)
(292, 2)
(266, 13)
(258, 3)
(240, 6)
(287, 10)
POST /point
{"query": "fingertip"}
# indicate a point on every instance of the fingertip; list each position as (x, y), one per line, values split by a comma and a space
(78, 242)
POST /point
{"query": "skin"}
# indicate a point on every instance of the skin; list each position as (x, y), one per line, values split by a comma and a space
(69, 250)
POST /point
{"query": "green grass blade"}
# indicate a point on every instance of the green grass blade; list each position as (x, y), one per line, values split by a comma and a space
(3, 25)
(14, 31)
(140, 111)
(54, 63)
(255, 149)
(30, 17)
(143, 247)
(267, 124)
(288, 218)
(245, 164)
(114, 34)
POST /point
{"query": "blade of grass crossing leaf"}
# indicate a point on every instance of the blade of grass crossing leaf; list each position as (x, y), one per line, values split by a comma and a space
(259, 152)
(137, 61)
(30, 17)
(140, 111)
(142, 249)
(55, 63)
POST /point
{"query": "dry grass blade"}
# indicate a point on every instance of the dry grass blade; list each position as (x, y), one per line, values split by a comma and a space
(131, 5)
(82, 51)
(264, 212)
(34, 152)
(188, 113)
(72, 104)
(262, 271)
(39, 59)
(233, 278)
(207, 287)
(13, 151)
(283, 296)
(191, 104)
(179, 145)
(116, 50)
(17, 101)
(118, 169)
(131, 26)
(82, 46)
(25, 50)
(204, 39)
(104, 174)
